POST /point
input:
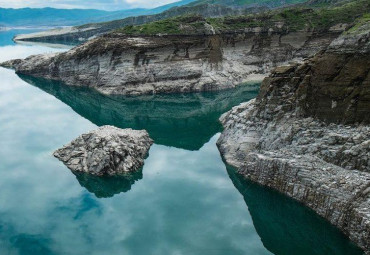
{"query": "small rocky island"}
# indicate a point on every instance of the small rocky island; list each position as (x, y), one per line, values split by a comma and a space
(106, 151)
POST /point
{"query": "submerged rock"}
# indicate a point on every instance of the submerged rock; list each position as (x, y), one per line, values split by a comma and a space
(106, 151)
(307, 134)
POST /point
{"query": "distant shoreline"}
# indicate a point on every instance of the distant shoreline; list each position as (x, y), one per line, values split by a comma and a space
(7, 28)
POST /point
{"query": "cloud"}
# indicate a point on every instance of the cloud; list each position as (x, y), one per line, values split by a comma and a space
(87, 4)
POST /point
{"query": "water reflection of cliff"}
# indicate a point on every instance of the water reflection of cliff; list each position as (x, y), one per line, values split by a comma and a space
(286, 227)
(108, 186)
(180, 120)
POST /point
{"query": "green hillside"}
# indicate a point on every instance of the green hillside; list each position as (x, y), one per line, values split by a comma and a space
(269, 3)
(293, 19)
(67, 17)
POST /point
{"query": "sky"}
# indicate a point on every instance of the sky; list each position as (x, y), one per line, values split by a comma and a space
(90, 4)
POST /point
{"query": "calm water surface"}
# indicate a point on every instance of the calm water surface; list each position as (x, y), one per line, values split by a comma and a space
(184, 201)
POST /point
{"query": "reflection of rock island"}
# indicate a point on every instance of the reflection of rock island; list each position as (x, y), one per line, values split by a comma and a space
(108, 186)
(286, 227)
(181, 120)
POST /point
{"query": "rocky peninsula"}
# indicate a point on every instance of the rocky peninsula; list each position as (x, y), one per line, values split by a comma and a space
(106, 151)
(307, 134)
(129, 65)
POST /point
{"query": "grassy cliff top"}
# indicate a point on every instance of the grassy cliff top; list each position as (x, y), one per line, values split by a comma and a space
(291, 19)
(361, 23)
(189, 24)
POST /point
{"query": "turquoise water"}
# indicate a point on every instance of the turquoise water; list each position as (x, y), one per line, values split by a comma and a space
(184, 200)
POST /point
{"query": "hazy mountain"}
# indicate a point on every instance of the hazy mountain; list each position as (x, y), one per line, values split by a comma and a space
(139, 12)
(168, 6)
(68, 17)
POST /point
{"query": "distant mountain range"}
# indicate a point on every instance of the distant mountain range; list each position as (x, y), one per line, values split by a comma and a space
(70, 17)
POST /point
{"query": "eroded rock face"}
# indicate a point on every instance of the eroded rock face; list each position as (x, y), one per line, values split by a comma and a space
(106, 151)
(117, 64)
(307, 135)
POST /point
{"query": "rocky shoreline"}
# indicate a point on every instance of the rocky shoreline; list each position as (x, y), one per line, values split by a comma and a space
(307, 134)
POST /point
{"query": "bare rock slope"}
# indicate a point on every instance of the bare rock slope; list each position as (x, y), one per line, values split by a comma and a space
(106, 151)
(307, 134)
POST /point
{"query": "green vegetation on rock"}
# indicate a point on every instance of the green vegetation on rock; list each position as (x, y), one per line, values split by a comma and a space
(287, 19)
(269, 3)
(182, 24)
(360, 23)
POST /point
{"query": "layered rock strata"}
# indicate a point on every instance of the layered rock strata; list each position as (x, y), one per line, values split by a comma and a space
(307, 134)
(119, 64)
(106, 151)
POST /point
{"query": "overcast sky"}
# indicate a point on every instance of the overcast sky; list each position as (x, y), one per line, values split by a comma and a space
(91, 4)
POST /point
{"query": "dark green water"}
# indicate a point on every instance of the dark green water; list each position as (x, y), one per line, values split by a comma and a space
(184, 121)
(184, 200)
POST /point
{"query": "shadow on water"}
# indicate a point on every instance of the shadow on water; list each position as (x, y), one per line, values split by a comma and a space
(286, 227)
(184, 121)
(108, 186)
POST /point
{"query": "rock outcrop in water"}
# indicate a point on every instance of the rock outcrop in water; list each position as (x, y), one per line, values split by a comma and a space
(106, 151)
(307, 134)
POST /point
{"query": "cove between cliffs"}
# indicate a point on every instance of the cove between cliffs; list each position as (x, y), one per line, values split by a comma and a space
(104, 109)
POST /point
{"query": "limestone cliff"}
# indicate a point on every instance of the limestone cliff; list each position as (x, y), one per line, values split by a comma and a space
(121, 64)
(307, 134)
